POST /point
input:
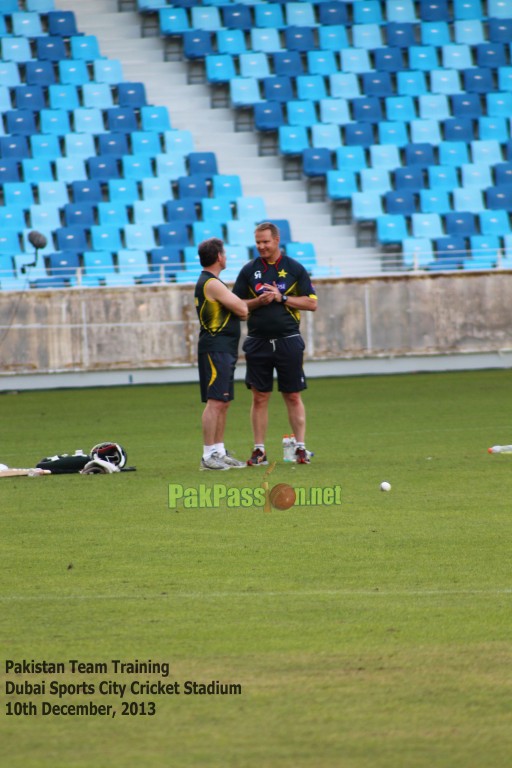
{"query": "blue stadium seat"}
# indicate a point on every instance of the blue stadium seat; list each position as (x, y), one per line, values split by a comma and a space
(503, 173)
(55, 121)
(218, 210)
(385, 156)
(173, 21)
(389, 59)
(227, 185)
(375, 180)
(408, 177)
(194, 187)
(326, 135)
(362, 134)
(269, 15)
(237, 16)
(344, 85)
(292, 139)
(106, 237)
(203, 230)
(36, 170)
(107, 71)
(436, 33)
(121, 119)
(45, 145)
(301, 113)
(70, 169)
(491, 55)
(147, 212)
(425, 131)
(467, 9)
(13, 217)
(156, 188)
(366, 206)
(423, 58)
(367, 109)
(299, 39)
(172, 165)
(498, 197)
(98, 263)
(311, 87)
(254, 64)
(400, 34)
(433, 10)
(62, 23)
(266, 40)
(460, 224)
(478, 80)
(14, 146)
(181, 210)
(458, 129)
(428, 225)
(453, 153)
(367, 36)
(85, 47)
(332, 38)
(251, 208)
(240, 232)
(174, 233)
(220, 68)
(499, 104)
(456, 56)
(71, 239)
(400, 11)
(355, 60)
(320, 62)
(486, 151)
(351, 158)
(484, 252)
(367, 12)
(468, 199)
(401, 202)
(377, 84)
(411, 83)
(180, 141)
(499, 9)
(442, 177)
(18, 193)
(341, 184)
(16, 49)
(206, 18)
(144, 143)
(72, 72)
(132, 262)
(20, 122)
(9, 170)
(53, 192)
(245, 92)
(88, 120)
(400, 108)
(416, 252)
(391, 229)
(466, 105)
(9, 241)
(63, 96)
(495, 222)
(63, 264)
(332, 12)
(469, 31)
(300, 14)
(103, 168)
(476, 175)
(421, 155)
(202, 163)
(95, 95)
(500, 30)
(113, 213)
(278, 89)
(334, 110)
(317, 161)
(39, 73)
(434, 201)
(29, 97)
(288, 63)
(231, 41)
(445, 81)
(393, 132)
(268, 116)
(137, 167)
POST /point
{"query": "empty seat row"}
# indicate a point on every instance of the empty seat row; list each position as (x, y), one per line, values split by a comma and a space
(64, 71)
(50, 48)
(69, 96)
(85, 120)
(38, 19)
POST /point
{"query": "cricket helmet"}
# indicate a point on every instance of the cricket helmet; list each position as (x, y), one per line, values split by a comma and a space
(111, 452)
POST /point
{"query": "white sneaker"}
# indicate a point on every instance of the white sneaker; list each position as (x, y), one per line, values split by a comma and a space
(232, 462)
(215, 461)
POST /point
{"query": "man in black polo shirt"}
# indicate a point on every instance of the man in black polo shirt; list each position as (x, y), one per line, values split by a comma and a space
(219, 312)
(276, 289)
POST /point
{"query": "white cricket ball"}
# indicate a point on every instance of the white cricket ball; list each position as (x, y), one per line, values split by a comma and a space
(385, 486)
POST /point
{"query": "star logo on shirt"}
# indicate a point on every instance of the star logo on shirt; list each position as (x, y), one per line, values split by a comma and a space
(282, 273)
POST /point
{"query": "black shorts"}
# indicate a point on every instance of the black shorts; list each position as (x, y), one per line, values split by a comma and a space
(216, 375)
(285, 355)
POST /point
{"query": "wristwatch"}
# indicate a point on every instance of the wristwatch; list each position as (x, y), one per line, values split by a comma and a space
(284, 298)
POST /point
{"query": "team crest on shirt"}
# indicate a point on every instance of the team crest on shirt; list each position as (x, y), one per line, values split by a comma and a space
(281, 286)
(257, 275)
(282, 273)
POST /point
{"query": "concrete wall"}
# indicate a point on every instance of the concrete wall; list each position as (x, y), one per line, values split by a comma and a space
(154, 327)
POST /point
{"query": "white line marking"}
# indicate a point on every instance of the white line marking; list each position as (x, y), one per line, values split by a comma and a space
(285, 593)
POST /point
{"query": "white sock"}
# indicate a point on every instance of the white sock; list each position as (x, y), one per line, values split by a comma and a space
(207, 451)
(219, 447)
(261, 446)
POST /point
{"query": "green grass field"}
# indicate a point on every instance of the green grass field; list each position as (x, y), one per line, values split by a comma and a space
(372, 634)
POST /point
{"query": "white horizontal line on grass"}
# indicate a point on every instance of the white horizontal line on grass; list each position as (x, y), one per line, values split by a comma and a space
(249, 593)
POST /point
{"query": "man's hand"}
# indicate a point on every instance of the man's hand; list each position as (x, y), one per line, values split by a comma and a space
(272, 291)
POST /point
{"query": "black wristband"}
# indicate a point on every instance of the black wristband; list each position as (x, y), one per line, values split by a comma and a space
(284, 298)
